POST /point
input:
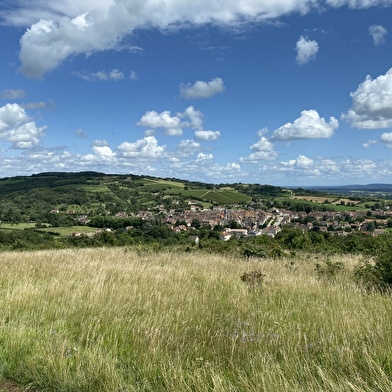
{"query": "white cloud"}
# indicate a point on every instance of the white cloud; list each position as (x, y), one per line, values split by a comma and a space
(103, 152)
(207, 135)
(369, 143)
(260, 156)
(204, 159)
(153, 119)
(308, 126)
(372, 103)
(306, 50)
(18, 128)
(262, 145)
(187, 148)
(264, 151)
(262, 132)
(133, 76)
(144, 148)
(323, 170)
(12, 94)
(100, 143)
(196, 117)
(304, 162)
(114, 75)
(34, 105)
(80, 133)
(378, 34)
(358, 4)
(173, 125)
(386, 138)
(202, 89)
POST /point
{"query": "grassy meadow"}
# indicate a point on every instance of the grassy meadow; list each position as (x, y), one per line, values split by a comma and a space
(120, 319)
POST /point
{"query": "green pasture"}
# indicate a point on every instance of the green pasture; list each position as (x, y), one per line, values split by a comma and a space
(18, 226)
(217, 196)
(67, 231)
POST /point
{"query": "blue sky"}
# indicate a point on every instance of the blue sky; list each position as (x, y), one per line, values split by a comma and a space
(283, 92)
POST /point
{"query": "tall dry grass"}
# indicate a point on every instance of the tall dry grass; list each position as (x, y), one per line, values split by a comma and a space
(120, 320)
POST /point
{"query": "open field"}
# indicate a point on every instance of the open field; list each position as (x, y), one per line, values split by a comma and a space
(67, 231)
(62, 231)
(126, 320)
(334, 203)
(18, 226)
(322, 199)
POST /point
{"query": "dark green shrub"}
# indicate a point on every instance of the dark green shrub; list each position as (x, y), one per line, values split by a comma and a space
(252, 250)
(375, 273)
(375, 276)
(329, 269)
(253, 278)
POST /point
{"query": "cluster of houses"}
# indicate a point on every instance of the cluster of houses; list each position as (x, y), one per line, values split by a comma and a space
(254, 222)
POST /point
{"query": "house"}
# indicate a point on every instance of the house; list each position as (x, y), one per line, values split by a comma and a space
(239, 232)
(225, 236)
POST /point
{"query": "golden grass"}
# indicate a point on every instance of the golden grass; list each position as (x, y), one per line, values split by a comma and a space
(120, 320)
(321, 199)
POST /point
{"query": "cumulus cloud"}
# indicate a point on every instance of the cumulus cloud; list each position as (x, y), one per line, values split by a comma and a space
(114, 75)
(386, 138)
(306, 50)
(187, 148)
(207, 135)
(103, 152)
(100, 143)
(304, 162)
(204, 159)
(133, 76)
(195, 117)
(260, 156)
(378, 34)
(327, 170)
(144, 148)
(18, 128)
(153, 119)
(12, 94)
(263, 150)
(372, 103)
(308, 126)
(262, 145)
(173, 124)
(202, 89)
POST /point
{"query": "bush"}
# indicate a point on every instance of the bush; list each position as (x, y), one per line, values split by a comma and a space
(253, 278)
(329, 269)
(251, 250)
(376, 275)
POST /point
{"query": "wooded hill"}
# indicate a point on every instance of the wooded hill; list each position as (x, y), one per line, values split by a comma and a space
(31, 198)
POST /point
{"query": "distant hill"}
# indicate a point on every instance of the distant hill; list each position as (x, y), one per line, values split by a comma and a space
(356, 188)
(31, 198)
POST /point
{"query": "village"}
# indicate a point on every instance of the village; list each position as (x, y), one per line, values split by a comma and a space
(244, 222)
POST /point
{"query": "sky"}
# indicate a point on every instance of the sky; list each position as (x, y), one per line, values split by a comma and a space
(279, 92)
